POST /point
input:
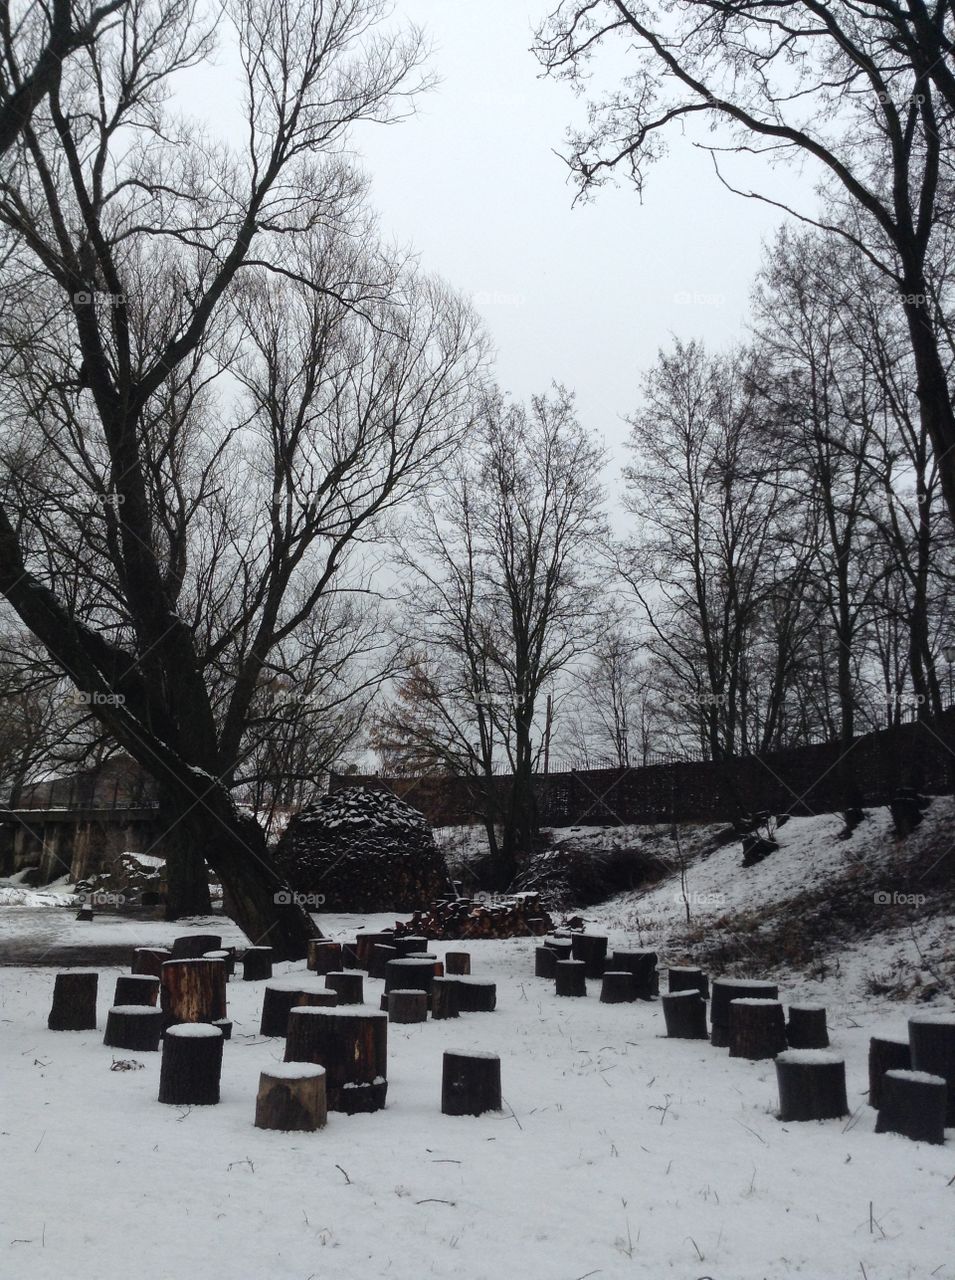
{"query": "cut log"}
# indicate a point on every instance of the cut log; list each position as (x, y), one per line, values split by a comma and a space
(410, 944)
(407, 1006)
(364, 944)
(350, 955)
(225, 1026)
(684, 1013)
(806, 1028)
(85, 913)
(257, 964)
(476, 995)
(227, 957)
(283, 994)
(134, 1026)
(812, 1085)
(592, 950)
(688, 979)
(291, 1098)
(409, 975)
(561, 947)
(723, 991)
(545, 963)
(571, 978)
(914, 1105)
(932, 1041)
(381, 954)
(324, 956)
(470, 1083)
(192, 991)
(885, 1054)
(643, 966)
(757, 1029)
(136, 988)
(353, 1049)
(618, 987)
(191, 1063)
(457, 963)
(150, 960)
(349, 987)
(192, 946)
(74, 1001)
(445, 998)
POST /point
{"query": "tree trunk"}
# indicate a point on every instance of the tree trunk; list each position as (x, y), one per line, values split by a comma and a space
(935, 404)
(187, 879)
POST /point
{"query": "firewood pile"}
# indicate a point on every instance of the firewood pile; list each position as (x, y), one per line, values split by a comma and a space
(362, 849)
(494, 916)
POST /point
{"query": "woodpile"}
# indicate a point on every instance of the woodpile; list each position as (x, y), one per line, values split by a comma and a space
(454, 919)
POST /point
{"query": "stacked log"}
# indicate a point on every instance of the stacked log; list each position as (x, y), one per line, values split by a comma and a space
(456, 919)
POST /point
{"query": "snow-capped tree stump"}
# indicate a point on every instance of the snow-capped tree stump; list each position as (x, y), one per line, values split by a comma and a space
(349, 987)
(932, 1041)
(257, 964)
(570, 978)
(470, 1083)
(886, 1054)
(192, 991)
(407, 1006)
(476, 995)
(365, 942)
(684, 1013)
(757, 1029)
(812, 1085)
(561, 947)
(85, 913)
(618, 987)
(353, 1049)
(913, 1104)
(688, 979)
(545, 963)
(350, 955)
(133, 1026)
(324, 956)
(806, 1028)
(225, 1026)
(226, 956)
(291, 1098)
(150, 960)
(74, 1001)
(445, 998)
(283, 994)
(191, 1065)
(136, 988)
(457, 963)
(192, 946)
(592, 950)
(413, 974)
(724, 990)
(381, 954)
(643, 966)
(410, 944)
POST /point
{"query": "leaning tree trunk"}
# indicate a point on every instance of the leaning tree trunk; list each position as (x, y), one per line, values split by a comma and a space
(187, 879)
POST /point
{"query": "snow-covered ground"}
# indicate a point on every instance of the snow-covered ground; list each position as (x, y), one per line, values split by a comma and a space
(620, 1153)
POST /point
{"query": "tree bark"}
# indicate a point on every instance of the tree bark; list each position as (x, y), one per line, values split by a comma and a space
(137, 1027)
(470, 1084)
(191, 1066)
(913, 1104)
(812, 1085)
(291, 1098)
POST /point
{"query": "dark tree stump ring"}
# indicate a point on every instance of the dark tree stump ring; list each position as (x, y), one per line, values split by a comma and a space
(476, 995)
(457, 963)
(349, 987)
(571, 978)
(150, 960)
(806, 1028)
(74, 1001)
(885, 1054)
(932, 1041)
(914, 1105)
(618, 987)
(812, 1085)
(353, 1049)
(191, 1065)
(688, 979)
(257, 964)
(193, 946)
(684, 1013)
(291, 1098)
(592, 950)
(470, 1084)
(133, 1026)
(324, 956)
(407, 1006)
(136, 988)
(445, 998)
(725, 990)
(284, 994)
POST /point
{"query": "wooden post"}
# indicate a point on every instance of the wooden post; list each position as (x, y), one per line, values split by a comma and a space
(476, 995)
(192, 946)
(381, 954)
(191, 1064)
(257, 964)
(592, 950)
(291, 1098)
(757, 1029)
(407, 1006)
(133, 1026)
(349, 987)
(545, 963)
(192, 991)
(150, 960)
(913, 1104)
(470, 1083)
(324, 956)
(643, 966)
(283, 994)
(571, 978)
(457, 963)
(885, 1054)
(725, 990)
(684, 1013)
(688, 979)
(812, 1085)
(618, 987)
(353, 1049)
(136, 988)
(74, 1001)
(806, 1028)
(932, 1041)
(445, 998)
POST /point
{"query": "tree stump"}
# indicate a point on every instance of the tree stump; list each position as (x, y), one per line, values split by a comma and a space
(193, 946)
(688, 979)
(476, 995)
(407, 1006)
(439, 968)
(592, 950)
(618, 987)
(561, 947)
(192, 991)
(723, 991)
(350, 955)
(85, 913)
(353, 1049)
(283, 994)
(150, 960)
(545, 963)
(445, 998)
(932, 1041)
(74, 1001)
(291, 1097)
(257, 964)
(757, 1029)
(225, 1026)
(364, 944)
(913, 1104)
(812, 1085)
(410, 944)
(133, 1026)
(806, 1028)
(381, 954)
(136, 988)
(191, 1064)
(457, 963)
(470, 1084)
(409, 975)
(885, 1054)
(324, 956)
(684, 1013)
(349, 987)
(571, 978)
(227, 957)
(643, 966)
